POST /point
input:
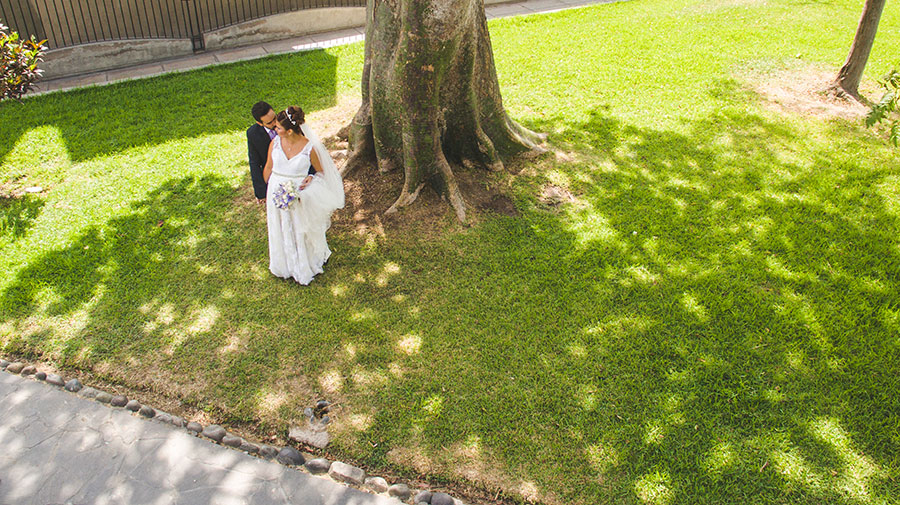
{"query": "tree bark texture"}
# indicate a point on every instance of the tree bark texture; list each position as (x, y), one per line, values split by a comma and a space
(430, 97)
(850, 74)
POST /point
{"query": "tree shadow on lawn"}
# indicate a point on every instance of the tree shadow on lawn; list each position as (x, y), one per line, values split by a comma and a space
(157, 291)
(713, 319)
(137, 257)
(17, 214)
(102, 120)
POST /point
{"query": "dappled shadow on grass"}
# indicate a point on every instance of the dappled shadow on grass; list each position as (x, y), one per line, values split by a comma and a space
(713, 320)
(17, 214)
(131, 257)
(103, 120)
(146, 288)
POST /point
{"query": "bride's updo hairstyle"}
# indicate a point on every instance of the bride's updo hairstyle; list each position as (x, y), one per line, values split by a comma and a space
(291, 118)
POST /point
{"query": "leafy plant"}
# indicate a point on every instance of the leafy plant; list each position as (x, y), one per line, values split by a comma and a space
(18, 63)
(882, 110)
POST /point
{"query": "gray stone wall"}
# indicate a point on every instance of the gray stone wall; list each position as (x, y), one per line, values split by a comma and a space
(101, 56)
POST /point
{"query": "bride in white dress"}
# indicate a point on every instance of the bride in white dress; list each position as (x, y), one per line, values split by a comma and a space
(304, 189)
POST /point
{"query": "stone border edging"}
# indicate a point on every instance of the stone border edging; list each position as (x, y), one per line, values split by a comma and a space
(288, 456)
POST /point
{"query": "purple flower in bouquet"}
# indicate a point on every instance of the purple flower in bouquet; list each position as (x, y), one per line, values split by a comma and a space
(285, 194)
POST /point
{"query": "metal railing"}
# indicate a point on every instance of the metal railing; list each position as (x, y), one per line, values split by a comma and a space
(66, 23)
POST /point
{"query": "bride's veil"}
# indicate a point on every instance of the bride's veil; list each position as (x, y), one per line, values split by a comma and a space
(333, 196)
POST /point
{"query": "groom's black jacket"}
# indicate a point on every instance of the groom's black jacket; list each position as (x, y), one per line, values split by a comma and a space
(258, 150)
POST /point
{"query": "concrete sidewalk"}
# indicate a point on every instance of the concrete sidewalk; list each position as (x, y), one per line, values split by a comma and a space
(59, 448)
(305, 43)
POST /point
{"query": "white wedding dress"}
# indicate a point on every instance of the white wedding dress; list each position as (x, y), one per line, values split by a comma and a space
(297, 245)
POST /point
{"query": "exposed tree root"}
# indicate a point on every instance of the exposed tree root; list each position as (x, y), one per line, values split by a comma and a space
(431, 98)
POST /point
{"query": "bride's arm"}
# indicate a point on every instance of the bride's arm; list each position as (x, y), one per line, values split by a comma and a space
(314, 161)
(267, 170)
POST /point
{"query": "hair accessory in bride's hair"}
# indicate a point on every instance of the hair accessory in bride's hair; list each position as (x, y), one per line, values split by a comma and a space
(287, 113)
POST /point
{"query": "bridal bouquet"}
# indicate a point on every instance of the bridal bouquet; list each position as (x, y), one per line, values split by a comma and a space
(285, 194)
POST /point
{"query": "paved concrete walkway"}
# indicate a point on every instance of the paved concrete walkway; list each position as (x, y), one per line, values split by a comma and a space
(305, 43)
(59, 448)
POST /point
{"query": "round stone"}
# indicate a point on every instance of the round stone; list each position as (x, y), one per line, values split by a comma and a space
(249, 447)
(195, 427)
(314, 435)
(163, 418)
(133, 405)
(103, 397)
(318, 465)
(29, 370)
(147, 411)
(15, 367)
(3, 364)
(290, 456)
(74, 386)
(177, 421)
(89, 392)
(423, 497)
(232, 441)
(343, 472)
(322, 405)
(118, 401)
(56, 380)
(326, 419)
(401, 491)
(214, 432)
(268, 452)
(377, 484)
(40, 376)
(308, 412)
(441, 499)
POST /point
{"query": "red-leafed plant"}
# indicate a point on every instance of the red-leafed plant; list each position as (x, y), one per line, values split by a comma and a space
(18, 63)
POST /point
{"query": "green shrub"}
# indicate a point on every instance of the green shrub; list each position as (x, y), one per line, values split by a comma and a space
(882, 111)
(18, 63)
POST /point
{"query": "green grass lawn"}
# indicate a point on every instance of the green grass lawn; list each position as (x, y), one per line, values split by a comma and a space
(713, 318)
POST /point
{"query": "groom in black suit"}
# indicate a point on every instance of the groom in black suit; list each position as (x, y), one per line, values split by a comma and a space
(259, 136)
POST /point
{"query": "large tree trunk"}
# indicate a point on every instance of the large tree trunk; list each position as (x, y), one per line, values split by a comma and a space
(850, 74)
(430, 97)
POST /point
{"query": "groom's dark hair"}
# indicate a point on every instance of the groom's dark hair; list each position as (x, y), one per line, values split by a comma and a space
(260, 109)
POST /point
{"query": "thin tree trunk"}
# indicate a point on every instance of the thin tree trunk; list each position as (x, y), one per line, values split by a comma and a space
(850, 74)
